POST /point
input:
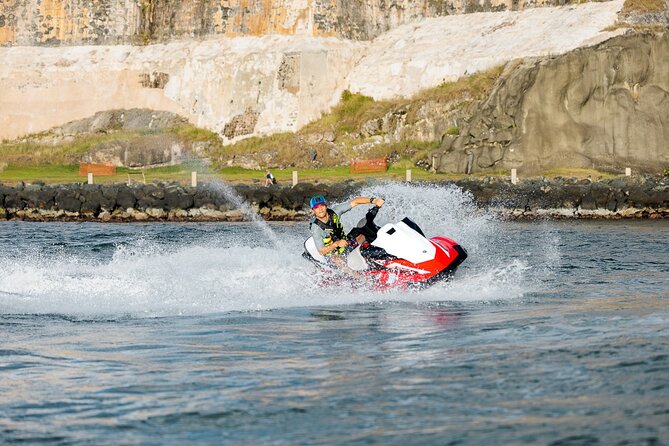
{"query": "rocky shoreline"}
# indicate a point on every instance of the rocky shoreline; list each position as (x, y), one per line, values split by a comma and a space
(639, 197)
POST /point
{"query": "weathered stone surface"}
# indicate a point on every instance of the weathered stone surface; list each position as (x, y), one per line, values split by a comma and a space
(176, 197)
(68, 199)
(125, 197)
(145, 151)
(215, 83)
(410, 58)
(603, 107)
(242, 87)
(126, 120)
(93, 199)
(53, 22)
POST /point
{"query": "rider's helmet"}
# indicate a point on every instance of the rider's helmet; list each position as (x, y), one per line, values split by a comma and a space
(317, 201)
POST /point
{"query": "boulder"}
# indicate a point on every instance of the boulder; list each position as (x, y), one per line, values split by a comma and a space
(68, 199)
(125, 197)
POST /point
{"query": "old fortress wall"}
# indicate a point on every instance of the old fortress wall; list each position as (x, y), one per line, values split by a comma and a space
(252, 85)
(76, 22)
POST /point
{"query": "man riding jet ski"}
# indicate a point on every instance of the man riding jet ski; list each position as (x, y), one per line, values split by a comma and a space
(396, 255)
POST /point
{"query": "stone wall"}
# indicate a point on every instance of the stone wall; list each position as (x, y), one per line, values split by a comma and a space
(253, 86)
(562, 198)
(75, 22)
(236, 87)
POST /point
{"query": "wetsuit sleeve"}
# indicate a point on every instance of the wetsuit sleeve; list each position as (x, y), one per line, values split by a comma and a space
(342, 208)
(318, 234)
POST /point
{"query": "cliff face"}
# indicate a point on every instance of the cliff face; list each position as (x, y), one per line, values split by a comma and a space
(237, 87)
(605, 106)
(75, 22)
(250, 86)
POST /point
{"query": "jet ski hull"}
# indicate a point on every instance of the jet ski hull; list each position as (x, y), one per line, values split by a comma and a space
(397, 272)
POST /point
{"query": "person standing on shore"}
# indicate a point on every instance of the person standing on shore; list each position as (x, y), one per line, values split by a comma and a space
(269, 178)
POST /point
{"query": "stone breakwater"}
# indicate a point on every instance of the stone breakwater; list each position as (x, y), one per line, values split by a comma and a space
(536, 198)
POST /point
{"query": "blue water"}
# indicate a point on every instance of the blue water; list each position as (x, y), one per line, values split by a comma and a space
(551, 333)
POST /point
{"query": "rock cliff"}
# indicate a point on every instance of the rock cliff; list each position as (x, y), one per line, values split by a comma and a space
(605, 106)
(249, 86)
(76, 22)
(575, 96)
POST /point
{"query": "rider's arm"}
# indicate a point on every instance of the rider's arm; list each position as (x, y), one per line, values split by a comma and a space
(367, 200)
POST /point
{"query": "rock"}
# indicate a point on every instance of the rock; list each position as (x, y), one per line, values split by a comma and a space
(125, 197)
(502, 136)
(128, 120)
(371, 127)
(177, 214)
(158, 214)
(532, 197)
(143, 151)
(68, 200)
(176, 197)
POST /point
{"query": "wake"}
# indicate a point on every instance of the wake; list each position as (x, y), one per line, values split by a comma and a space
(236, 272)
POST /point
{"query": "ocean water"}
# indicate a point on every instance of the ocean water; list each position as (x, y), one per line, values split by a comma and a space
(551, 332)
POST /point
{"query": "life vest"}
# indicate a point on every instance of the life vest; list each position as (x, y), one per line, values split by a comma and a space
(334, 230)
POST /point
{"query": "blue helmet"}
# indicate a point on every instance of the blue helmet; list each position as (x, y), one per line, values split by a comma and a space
(317, 200)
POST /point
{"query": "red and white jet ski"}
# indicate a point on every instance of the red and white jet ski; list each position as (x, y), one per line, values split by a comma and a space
(395, 255)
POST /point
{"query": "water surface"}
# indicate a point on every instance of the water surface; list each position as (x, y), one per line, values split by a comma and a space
(550, 333)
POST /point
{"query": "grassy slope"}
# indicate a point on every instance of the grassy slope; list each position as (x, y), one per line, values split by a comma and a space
(349, 116)
(644, 6)
(32, 160)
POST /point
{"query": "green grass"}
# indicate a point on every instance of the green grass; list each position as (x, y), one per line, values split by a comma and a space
(48, 173)
(30, 152)
(468, 87)
(350, 114)
(69, 173)
(196, 134)
(62, 174)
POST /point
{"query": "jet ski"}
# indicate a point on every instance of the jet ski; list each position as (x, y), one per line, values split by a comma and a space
(397, 255)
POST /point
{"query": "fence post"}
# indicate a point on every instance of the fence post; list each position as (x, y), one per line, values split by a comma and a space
(628, 172)
(514, 176)
(90, 177)
(294, 177)
(408, 175)
(193, 179)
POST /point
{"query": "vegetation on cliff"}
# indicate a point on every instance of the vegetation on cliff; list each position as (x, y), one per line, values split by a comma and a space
(404, 129)
(644, 15)
(644, 6)
(350, 130)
